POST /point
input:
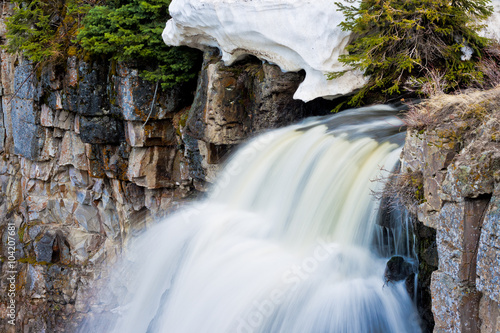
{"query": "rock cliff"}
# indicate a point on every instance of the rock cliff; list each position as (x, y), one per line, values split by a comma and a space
(453, 147)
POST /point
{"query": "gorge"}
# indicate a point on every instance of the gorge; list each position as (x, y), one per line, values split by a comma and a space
(91, 157)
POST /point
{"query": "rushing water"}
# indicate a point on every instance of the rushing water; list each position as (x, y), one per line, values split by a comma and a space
(284, 242)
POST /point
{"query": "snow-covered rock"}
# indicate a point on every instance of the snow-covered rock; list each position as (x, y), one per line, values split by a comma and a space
(293, 34)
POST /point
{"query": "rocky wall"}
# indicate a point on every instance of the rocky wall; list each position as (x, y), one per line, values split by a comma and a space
(454, 146)
(81, 170)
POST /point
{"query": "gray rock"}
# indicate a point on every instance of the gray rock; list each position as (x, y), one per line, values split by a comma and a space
(101, 130)
(34, 231)
(78, 177)
(92, 99)
(24, 80)
(43, 248)
(83, 196)
(193, 157)
(28, 136)
(488, 257)
(54, 100)
(110, 219)
(2, 129)
(2, 139)
(64, 120)
(134, 97)
(35, 281)
(19, 249)
(449, 237)
(73, 151)
(87, 218)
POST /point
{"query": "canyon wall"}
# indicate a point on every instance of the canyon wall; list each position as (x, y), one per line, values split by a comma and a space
(452, 156)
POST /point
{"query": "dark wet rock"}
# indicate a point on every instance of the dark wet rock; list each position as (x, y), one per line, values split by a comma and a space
(232, 103)
(398, 268)
(92, 97)
(101, 130)
(135, 99)
(43, 248)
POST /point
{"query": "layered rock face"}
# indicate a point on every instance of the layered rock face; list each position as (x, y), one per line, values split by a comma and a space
(458, 157)
(293, 34)
(80, 171)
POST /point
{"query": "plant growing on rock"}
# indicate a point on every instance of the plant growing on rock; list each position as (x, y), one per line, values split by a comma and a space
(402, 187)
(131, 31)
(44, 30)
(402, 45)
(123, 30)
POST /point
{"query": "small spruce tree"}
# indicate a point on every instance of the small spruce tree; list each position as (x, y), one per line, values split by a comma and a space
(398, 43)
(131, 31)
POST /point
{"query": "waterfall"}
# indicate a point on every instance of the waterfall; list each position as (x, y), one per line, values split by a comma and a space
(284, 242)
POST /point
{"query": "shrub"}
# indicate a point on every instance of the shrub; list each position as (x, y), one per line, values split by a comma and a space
(44, 29)
(402, 45)
(131, 31)
(123, 30)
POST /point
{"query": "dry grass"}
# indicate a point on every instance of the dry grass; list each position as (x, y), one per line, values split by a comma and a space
(473, 107)
(418, 117)
(490, 66)
(435, 83)
(406, 188)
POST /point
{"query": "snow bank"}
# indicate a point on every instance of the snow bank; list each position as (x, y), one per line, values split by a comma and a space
(293, 34)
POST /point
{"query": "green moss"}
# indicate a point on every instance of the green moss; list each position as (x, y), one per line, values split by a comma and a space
(184, 117)
(72, 51)
(236, 70)
(45, 30)
(28, 260)
(260, 75)
(32, 261)
(21, 232)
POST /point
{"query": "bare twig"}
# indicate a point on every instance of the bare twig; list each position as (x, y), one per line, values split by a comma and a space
(152, 104)
(22, 84)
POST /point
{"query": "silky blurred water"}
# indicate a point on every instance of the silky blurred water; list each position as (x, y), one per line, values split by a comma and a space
(284, 242)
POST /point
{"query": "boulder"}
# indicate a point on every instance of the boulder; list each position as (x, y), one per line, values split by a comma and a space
(398, 268)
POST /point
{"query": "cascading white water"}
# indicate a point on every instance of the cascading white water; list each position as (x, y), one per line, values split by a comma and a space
(283, 244)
